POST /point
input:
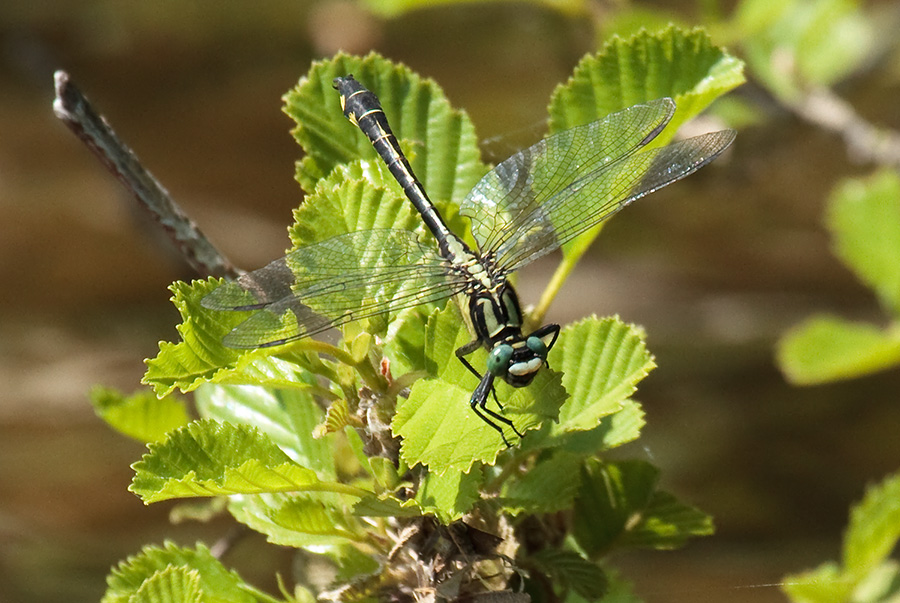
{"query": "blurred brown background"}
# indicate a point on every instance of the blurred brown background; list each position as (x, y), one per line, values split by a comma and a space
(715, 267)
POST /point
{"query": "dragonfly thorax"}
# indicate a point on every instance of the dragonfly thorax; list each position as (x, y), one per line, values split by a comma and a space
(496, 319)
(495, 314)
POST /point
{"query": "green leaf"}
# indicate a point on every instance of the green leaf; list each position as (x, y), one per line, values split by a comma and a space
(387, 506)
(207, 458)
(438, 426)
(618, 505)
(795, 44)
(667, 523)
(826, 348)
(612, 495)
(825, 584)
(201, 358)
(406, 344)
(353, 197)
(200, 355)
(868, 575)
(451, 495)
(298, 520)
(141, 415)
(445, 155)
(287, 416)
(614, 430)
(684, 65)
(385, 473)
(601, 360)
(880, 585)
(546, 487)
(353, 565)
(171, 585)
(206, 574)
(570, 570)
(864, 219)
(874, 528)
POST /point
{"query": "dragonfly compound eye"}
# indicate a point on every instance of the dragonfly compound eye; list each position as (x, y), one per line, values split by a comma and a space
(537, 345)
(498, 359)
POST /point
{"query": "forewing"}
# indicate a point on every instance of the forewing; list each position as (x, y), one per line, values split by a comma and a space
(348, 277)
(506, 204)
(595, 196)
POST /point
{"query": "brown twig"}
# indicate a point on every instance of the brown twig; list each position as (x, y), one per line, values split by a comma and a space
(865, 142)
(74, 109)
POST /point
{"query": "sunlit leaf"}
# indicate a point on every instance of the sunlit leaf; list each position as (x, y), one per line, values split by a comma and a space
(206, 458)
(201, 358)
(601, 360)
(287, 416)
(212, 578)
(874, 527)
(451, 495)
(825, 584)
(141, 415)
(684, 65)
(613, 430)
(171, 585)
(445, 155)
(297, 520)
(438, 426)
(827, 348)
(353, 197)
(864, 219)
(387, 506)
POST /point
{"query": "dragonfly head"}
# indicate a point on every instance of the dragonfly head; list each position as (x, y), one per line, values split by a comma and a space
(518, 361)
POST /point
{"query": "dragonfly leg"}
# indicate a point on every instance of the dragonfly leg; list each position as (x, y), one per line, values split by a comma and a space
(468, 349)
(499, 429)
(479, 406)
(464, 351)
(547, 334)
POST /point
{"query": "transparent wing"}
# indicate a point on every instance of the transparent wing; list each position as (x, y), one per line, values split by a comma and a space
(560, 187)
(513, 190)
(348, 277)
(595, 197)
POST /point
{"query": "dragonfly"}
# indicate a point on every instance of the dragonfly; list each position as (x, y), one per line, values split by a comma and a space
(524, 208)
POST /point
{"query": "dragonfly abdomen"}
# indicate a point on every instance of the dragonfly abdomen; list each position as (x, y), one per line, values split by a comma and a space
(363, 108)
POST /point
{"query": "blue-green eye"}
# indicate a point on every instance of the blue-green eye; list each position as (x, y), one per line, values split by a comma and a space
(537, 345)
(498, 359)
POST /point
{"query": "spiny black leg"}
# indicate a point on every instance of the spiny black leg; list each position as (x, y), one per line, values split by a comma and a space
(498, 417)
(542, 333)
(492, 424)
(465, 350)
(496, 399)
(550, 329)
(478, 403)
